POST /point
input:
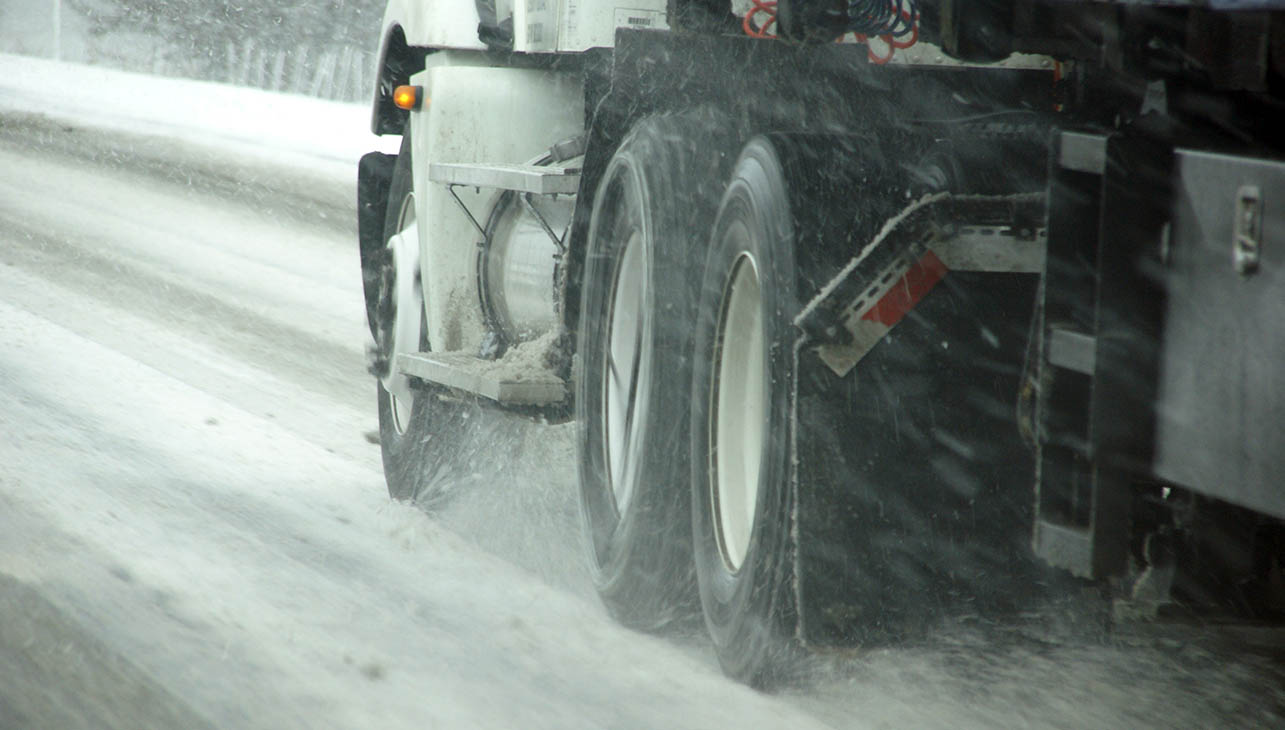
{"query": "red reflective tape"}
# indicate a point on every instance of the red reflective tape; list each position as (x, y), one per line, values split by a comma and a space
(922, 276)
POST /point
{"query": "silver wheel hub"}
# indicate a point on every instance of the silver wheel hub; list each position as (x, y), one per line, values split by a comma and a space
(628, 368)
(737, 426)
(408, 298)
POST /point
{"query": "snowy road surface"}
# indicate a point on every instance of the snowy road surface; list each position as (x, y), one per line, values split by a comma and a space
(194, 530)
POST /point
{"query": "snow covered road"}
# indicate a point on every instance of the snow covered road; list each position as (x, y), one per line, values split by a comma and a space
(194, 530)
(186, 481)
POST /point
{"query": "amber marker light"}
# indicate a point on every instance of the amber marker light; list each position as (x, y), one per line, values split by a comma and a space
(407, 97)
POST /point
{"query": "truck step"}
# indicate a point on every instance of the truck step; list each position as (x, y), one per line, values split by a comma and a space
(1065, 546)
(503, 381)
(536, 179)
(1072, 350)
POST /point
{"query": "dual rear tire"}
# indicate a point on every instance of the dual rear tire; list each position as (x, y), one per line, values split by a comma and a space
(682, 405)
(683, 397)
(688, 404)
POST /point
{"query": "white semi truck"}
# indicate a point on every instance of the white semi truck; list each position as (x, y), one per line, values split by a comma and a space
(866, 311)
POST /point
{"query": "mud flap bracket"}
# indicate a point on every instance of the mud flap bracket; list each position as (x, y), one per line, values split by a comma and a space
(912, 254)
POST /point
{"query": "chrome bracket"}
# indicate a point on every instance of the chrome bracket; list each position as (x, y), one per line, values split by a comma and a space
(480, 230)
(558, 241)
(1247, 237)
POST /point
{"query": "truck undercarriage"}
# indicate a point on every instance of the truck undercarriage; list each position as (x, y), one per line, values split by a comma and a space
(856, 340)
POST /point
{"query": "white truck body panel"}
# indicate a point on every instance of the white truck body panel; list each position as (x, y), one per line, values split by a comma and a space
(539, 26)
(546, 26)
(475, 113)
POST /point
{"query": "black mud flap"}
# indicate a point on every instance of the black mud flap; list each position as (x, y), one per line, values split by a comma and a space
(374, 176)
(913, 487)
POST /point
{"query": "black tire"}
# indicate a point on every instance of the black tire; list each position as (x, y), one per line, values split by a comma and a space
(402, 444)
(659, 192)
(748, 608)
(403, 452)
(870, 519)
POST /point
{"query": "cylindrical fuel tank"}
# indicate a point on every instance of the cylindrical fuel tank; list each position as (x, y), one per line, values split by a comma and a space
(519, 263)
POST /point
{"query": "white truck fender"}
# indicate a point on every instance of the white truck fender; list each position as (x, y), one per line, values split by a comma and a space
(418, 24)
(434, 23)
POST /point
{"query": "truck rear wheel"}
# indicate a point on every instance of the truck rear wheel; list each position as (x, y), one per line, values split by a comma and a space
(740, 404)
(651, 215)
(833, 510)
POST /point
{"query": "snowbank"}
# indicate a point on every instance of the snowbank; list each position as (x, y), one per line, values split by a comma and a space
(282, 128)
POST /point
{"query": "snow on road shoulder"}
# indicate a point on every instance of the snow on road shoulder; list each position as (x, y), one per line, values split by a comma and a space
(280, 128)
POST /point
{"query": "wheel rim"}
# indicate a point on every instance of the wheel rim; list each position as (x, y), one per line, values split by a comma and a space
(407, 325)
(740, 397)
(627, 367)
